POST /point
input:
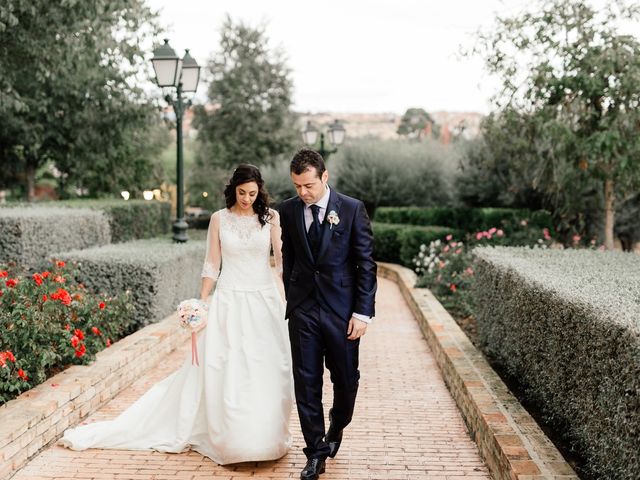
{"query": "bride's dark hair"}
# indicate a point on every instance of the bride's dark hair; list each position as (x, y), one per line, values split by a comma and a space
(246, 173)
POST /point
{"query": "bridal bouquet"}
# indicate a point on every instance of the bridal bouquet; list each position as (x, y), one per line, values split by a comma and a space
(192, 313)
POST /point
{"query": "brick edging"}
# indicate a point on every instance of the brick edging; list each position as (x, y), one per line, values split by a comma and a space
(38, 417)
(508, 438)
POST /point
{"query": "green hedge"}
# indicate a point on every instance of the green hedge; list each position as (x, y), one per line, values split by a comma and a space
(465, 219)
(399, 243)
(29, 235)
(566, 324)
(157, 273)
(130, 220)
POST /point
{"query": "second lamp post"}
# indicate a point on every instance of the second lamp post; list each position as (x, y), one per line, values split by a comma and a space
(336, 137)
(183, 74)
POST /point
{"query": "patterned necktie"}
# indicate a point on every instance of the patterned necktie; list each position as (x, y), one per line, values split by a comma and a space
(314, 230)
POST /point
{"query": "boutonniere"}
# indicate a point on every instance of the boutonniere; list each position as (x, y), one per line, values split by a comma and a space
(333, 218)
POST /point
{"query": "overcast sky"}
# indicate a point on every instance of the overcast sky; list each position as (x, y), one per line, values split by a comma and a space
(357, 55)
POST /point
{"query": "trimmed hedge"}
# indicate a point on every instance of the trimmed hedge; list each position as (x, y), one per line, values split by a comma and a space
(158, 273)
(130, 220)
(399, 243)
(30, 235)
(466, 219)
(566, 324)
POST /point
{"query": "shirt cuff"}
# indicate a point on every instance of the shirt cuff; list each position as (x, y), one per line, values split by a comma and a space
(364, 318)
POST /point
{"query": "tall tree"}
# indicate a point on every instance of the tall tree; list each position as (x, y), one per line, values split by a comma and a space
(69, 93)
(567, 68)
(417, 123)
(250, 92)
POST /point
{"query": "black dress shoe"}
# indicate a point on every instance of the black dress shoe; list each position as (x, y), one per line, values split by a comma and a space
(313, 469)
(333, 437)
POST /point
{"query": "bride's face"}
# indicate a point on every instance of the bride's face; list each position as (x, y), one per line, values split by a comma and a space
(246, 194)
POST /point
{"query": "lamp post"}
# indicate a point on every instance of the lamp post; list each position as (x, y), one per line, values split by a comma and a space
(183, 74)
(336, 137)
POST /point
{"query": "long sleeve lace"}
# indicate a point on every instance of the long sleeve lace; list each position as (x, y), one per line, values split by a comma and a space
(276, 240)
(212, 259)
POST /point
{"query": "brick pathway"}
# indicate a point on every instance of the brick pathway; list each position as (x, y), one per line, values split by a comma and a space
(406, 425)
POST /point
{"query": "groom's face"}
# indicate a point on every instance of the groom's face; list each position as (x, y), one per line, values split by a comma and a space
(310, 186)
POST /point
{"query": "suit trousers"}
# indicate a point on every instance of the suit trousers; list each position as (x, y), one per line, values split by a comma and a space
(318, 335)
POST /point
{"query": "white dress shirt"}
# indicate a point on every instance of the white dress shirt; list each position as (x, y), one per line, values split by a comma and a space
(308, 218)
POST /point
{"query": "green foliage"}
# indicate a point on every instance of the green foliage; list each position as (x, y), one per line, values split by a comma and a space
(395, 173)
(415, 121)
(464, 219)
(398, 243)
(48, 322)
(564, 324)
(133, 219)
(251, 88)
(569, 102)
(68, 94)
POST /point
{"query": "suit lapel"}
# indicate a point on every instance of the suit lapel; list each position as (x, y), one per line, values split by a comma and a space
(327, 230)
(302, 230)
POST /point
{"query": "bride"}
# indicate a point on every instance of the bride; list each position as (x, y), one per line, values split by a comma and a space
(235, 406)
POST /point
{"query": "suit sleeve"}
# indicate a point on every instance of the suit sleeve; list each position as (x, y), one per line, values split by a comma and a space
(366, 268)
(287, 249)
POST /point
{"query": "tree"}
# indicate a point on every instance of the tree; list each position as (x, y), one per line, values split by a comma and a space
(417, 123)
(569, 72)
(250, 90)
(68, 91)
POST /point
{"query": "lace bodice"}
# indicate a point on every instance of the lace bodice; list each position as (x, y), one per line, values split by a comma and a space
(238, 247)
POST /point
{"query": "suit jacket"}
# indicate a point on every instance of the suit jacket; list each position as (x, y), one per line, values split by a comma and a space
(344, 273)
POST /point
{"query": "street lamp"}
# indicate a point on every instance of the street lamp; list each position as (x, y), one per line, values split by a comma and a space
(336, 137)
(183, 74)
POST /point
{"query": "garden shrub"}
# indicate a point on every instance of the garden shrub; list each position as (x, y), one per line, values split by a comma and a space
(566, 324)
(465, 219)
(398, 243)
(158, 273)
(49, 321)
(29, 235)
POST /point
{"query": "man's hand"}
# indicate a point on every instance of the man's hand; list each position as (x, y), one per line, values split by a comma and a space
(356, 329)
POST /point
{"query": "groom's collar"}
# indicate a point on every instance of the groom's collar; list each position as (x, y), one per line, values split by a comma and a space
(324, 201)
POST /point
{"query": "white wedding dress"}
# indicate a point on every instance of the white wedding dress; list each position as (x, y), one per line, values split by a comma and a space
(235, 406)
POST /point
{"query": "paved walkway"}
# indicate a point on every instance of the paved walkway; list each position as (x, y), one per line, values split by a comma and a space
(406, 425)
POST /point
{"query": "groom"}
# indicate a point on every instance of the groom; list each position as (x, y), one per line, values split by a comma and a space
(330, 283)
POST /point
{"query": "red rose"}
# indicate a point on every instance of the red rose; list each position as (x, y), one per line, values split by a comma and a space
(44, 298)
(101, 305)
(10, 356)
(12, 282)
(4, 274)
(58, 279)
(78, 333)
(1, 293)
(60, 264)
(23, 375)
(75, 341)
(96, 331)
(37, 278)
(453, 287)
(108, 342)
(67, 327)
(80, 351)
(45, 274)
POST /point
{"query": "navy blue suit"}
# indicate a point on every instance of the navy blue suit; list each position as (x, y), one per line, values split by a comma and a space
(323, 291)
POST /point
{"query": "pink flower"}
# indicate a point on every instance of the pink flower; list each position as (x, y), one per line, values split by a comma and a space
(453, 287)
(469, 271)
(576, 238)
(454, 244)
(448, 237)
(479, 235)
(458, 251)
(545, 233)
(500, 233)
(446, 248)
(493, 230)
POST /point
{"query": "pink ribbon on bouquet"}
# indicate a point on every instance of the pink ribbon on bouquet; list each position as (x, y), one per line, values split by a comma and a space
(194, 350)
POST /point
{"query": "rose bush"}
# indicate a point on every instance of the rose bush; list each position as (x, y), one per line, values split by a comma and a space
(48, 322)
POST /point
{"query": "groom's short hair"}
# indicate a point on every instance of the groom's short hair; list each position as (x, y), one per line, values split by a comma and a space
(306, 158)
